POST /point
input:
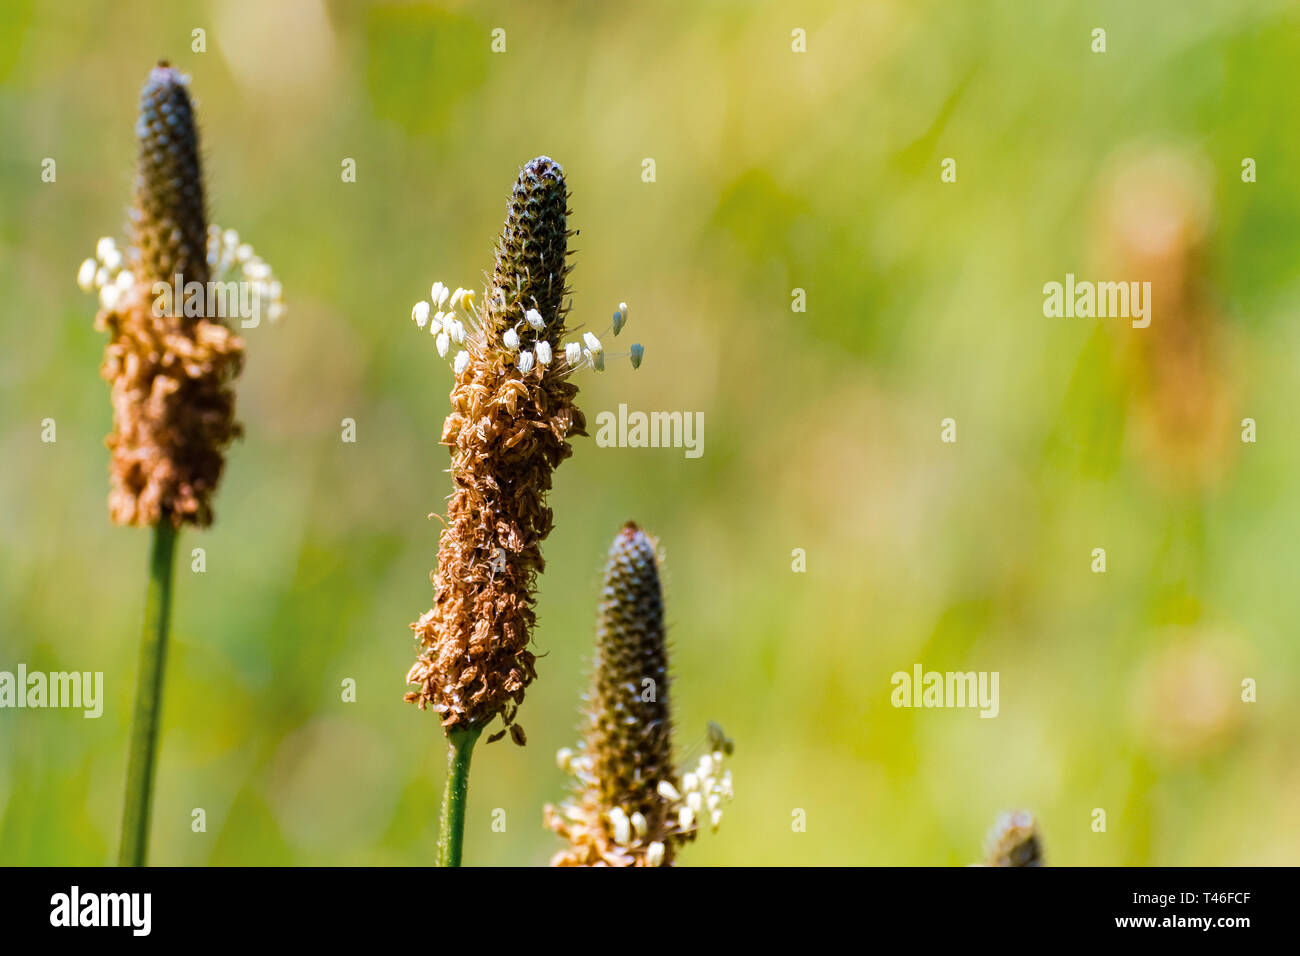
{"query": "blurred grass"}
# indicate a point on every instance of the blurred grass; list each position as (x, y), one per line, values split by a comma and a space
(774, 171)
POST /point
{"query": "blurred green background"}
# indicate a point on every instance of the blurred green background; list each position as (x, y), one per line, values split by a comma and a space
(775, 170)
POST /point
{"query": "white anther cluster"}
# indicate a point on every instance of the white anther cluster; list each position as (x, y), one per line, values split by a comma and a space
(452, 317)
(230, 260)
(107, 272)
(705, 789)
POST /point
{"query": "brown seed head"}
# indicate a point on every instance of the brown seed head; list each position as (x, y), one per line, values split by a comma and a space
(507, 431)
(170, 374)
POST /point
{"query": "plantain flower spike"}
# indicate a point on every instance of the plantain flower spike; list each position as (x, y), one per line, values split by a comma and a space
(509, 428)
(1013, 840)
(630, 807)
(170, 363)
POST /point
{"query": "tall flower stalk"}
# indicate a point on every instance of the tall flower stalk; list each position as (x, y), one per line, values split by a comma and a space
(170, 366)
(630, 807)
(512, 414)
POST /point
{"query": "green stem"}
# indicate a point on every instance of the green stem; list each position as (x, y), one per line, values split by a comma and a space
(148, 699)
(451, 837)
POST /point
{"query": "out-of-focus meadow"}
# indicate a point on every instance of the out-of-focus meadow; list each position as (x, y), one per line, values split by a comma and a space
(775, 170)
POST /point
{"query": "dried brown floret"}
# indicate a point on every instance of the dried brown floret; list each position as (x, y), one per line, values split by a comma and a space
(508, 430)
(170, 374)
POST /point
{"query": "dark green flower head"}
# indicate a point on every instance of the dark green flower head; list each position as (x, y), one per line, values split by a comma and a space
(169, 220)
(531, 255)
(629, 732)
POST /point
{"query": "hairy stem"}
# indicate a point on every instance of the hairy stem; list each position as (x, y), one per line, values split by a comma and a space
(451, 838)
(148, 699)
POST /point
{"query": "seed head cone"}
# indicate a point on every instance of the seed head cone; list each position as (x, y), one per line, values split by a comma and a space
(170, 375)
(626, 750)
(507, 431)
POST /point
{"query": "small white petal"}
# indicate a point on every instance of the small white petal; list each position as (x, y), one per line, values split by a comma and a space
(715, 818)
(573, 353)
(543, 350)
(694, 801)
(534, 318)
(622, 826)
(668, 791)
(564, 757)
(444, 343)
(104, 247)
(420, 313)
(525, 362)
(230, 238)
(639, 825)
(686, 818)
(511, 339)
(690, 781)
(109, 295)
(654, 854)
(461, 363)
(243, 252)
(101, 277)
(457, 329)
(86, 275)
(113, 261)
(592, 343)
(124, 280)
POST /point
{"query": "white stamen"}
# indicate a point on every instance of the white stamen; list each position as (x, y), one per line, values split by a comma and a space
(622, 827)
(86, 275)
